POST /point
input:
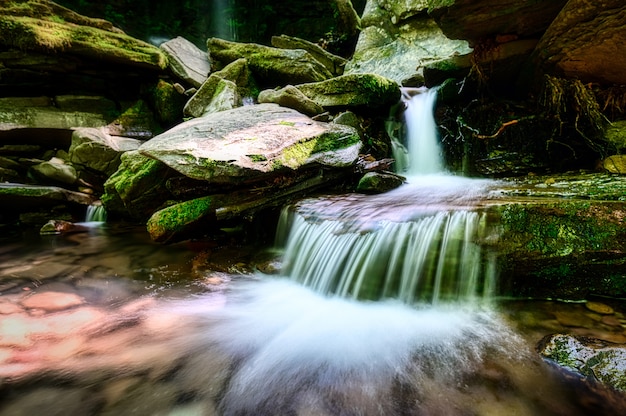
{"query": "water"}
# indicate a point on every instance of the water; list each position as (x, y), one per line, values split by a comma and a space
(421, 152)
(96, 213)
(385, 307)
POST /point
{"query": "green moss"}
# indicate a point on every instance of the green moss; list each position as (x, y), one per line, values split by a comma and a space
(257, 158)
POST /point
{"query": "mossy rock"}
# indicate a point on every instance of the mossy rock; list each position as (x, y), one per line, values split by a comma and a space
(355, 90)
(44, 26)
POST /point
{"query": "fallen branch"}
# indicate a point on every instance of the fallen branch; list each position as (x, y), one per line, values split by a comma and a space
(497, 133)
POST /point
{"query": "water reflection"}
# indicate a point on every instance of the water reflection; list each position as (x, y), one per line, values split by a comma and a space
(108, 323)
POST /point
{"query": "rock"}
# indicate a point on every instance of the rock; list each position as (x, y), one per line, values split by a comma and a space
(584, 41)
(223, 90)
(187, 61)
(19, 197)
(355, 90)
(135, 121)
(169, 103)
(93, 151)
(55, 171)
(601, 308)
(271, 66)
(249, 142)
(615, 164)
(615, 134)
(291, 97)
(377, 183)
(335, 64)
(397, 39)
(475, 21)
(53, 401)
(593, 358)
(48, 27)
(61, 227)
(40, 112)
(183, 220)
(52, 301)
(137, 187)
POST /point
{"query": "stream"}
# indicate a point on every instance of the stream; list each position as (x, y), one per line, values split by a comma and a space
(106, 322)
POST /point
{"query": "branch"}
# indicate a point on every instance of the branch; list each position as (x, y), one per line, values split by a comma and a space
(497, 133)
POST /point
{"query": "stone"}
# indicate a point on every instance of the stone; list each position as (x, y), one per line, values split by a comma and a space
(223, 90)
(475, 21)
(291, 97)
(271, 66)
(354, 90)
(55, 171)
(615, 164)
(187, 61)
(250, 142)
(169, 102)
(182, 220)
(593, 358)
(335, 64)
(377, 182)
(397, 39)
(46, 26)
(584, 42)
(137, 187)
(24, 197)
(615, 134)
(95, 151)
(601, 308)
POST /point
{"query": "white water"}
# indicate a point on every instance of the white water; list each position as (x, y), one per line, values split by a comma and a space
(421, 153)
(96, 213)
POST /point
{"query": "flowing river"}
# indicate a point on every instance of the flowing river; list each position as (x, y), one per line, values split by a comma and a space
(367, 305)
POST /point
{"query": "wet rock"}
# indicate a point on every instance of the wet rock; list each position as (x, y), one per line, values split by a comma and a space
(61, 227)
(57, 171)
(600, 308)
(187, 61)
(169, 103)
(593, 358)
(271, 66)
(24, 197)
(376, 183)
(52, 301)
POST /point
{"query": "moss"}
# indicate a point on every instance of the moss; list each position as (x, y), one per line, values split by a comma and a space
(176, 220)
(52, 35)
(257, 158)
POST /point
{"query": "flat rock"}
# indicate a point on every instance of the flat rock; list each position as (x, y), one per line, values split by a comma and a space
(52, 301)
(252, 141)
(187, 61)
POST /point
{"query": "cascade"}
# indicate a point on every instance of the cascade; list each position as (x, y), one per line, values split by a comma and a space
(417, 244)
(96, 213)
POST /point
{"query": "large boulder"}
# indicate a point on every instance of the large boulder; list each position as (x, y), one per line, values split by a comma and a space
(476, 21)
(48, 27)
(397, 39)
(335, 64)
(586, 42)
(250, 142)
(354, 90)
(271, 66)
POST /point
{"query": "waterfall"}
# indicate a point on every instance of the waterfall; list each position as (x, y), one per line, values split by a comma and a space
(96, 213)
(420, 243)
(431, 259)
(422, 152)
